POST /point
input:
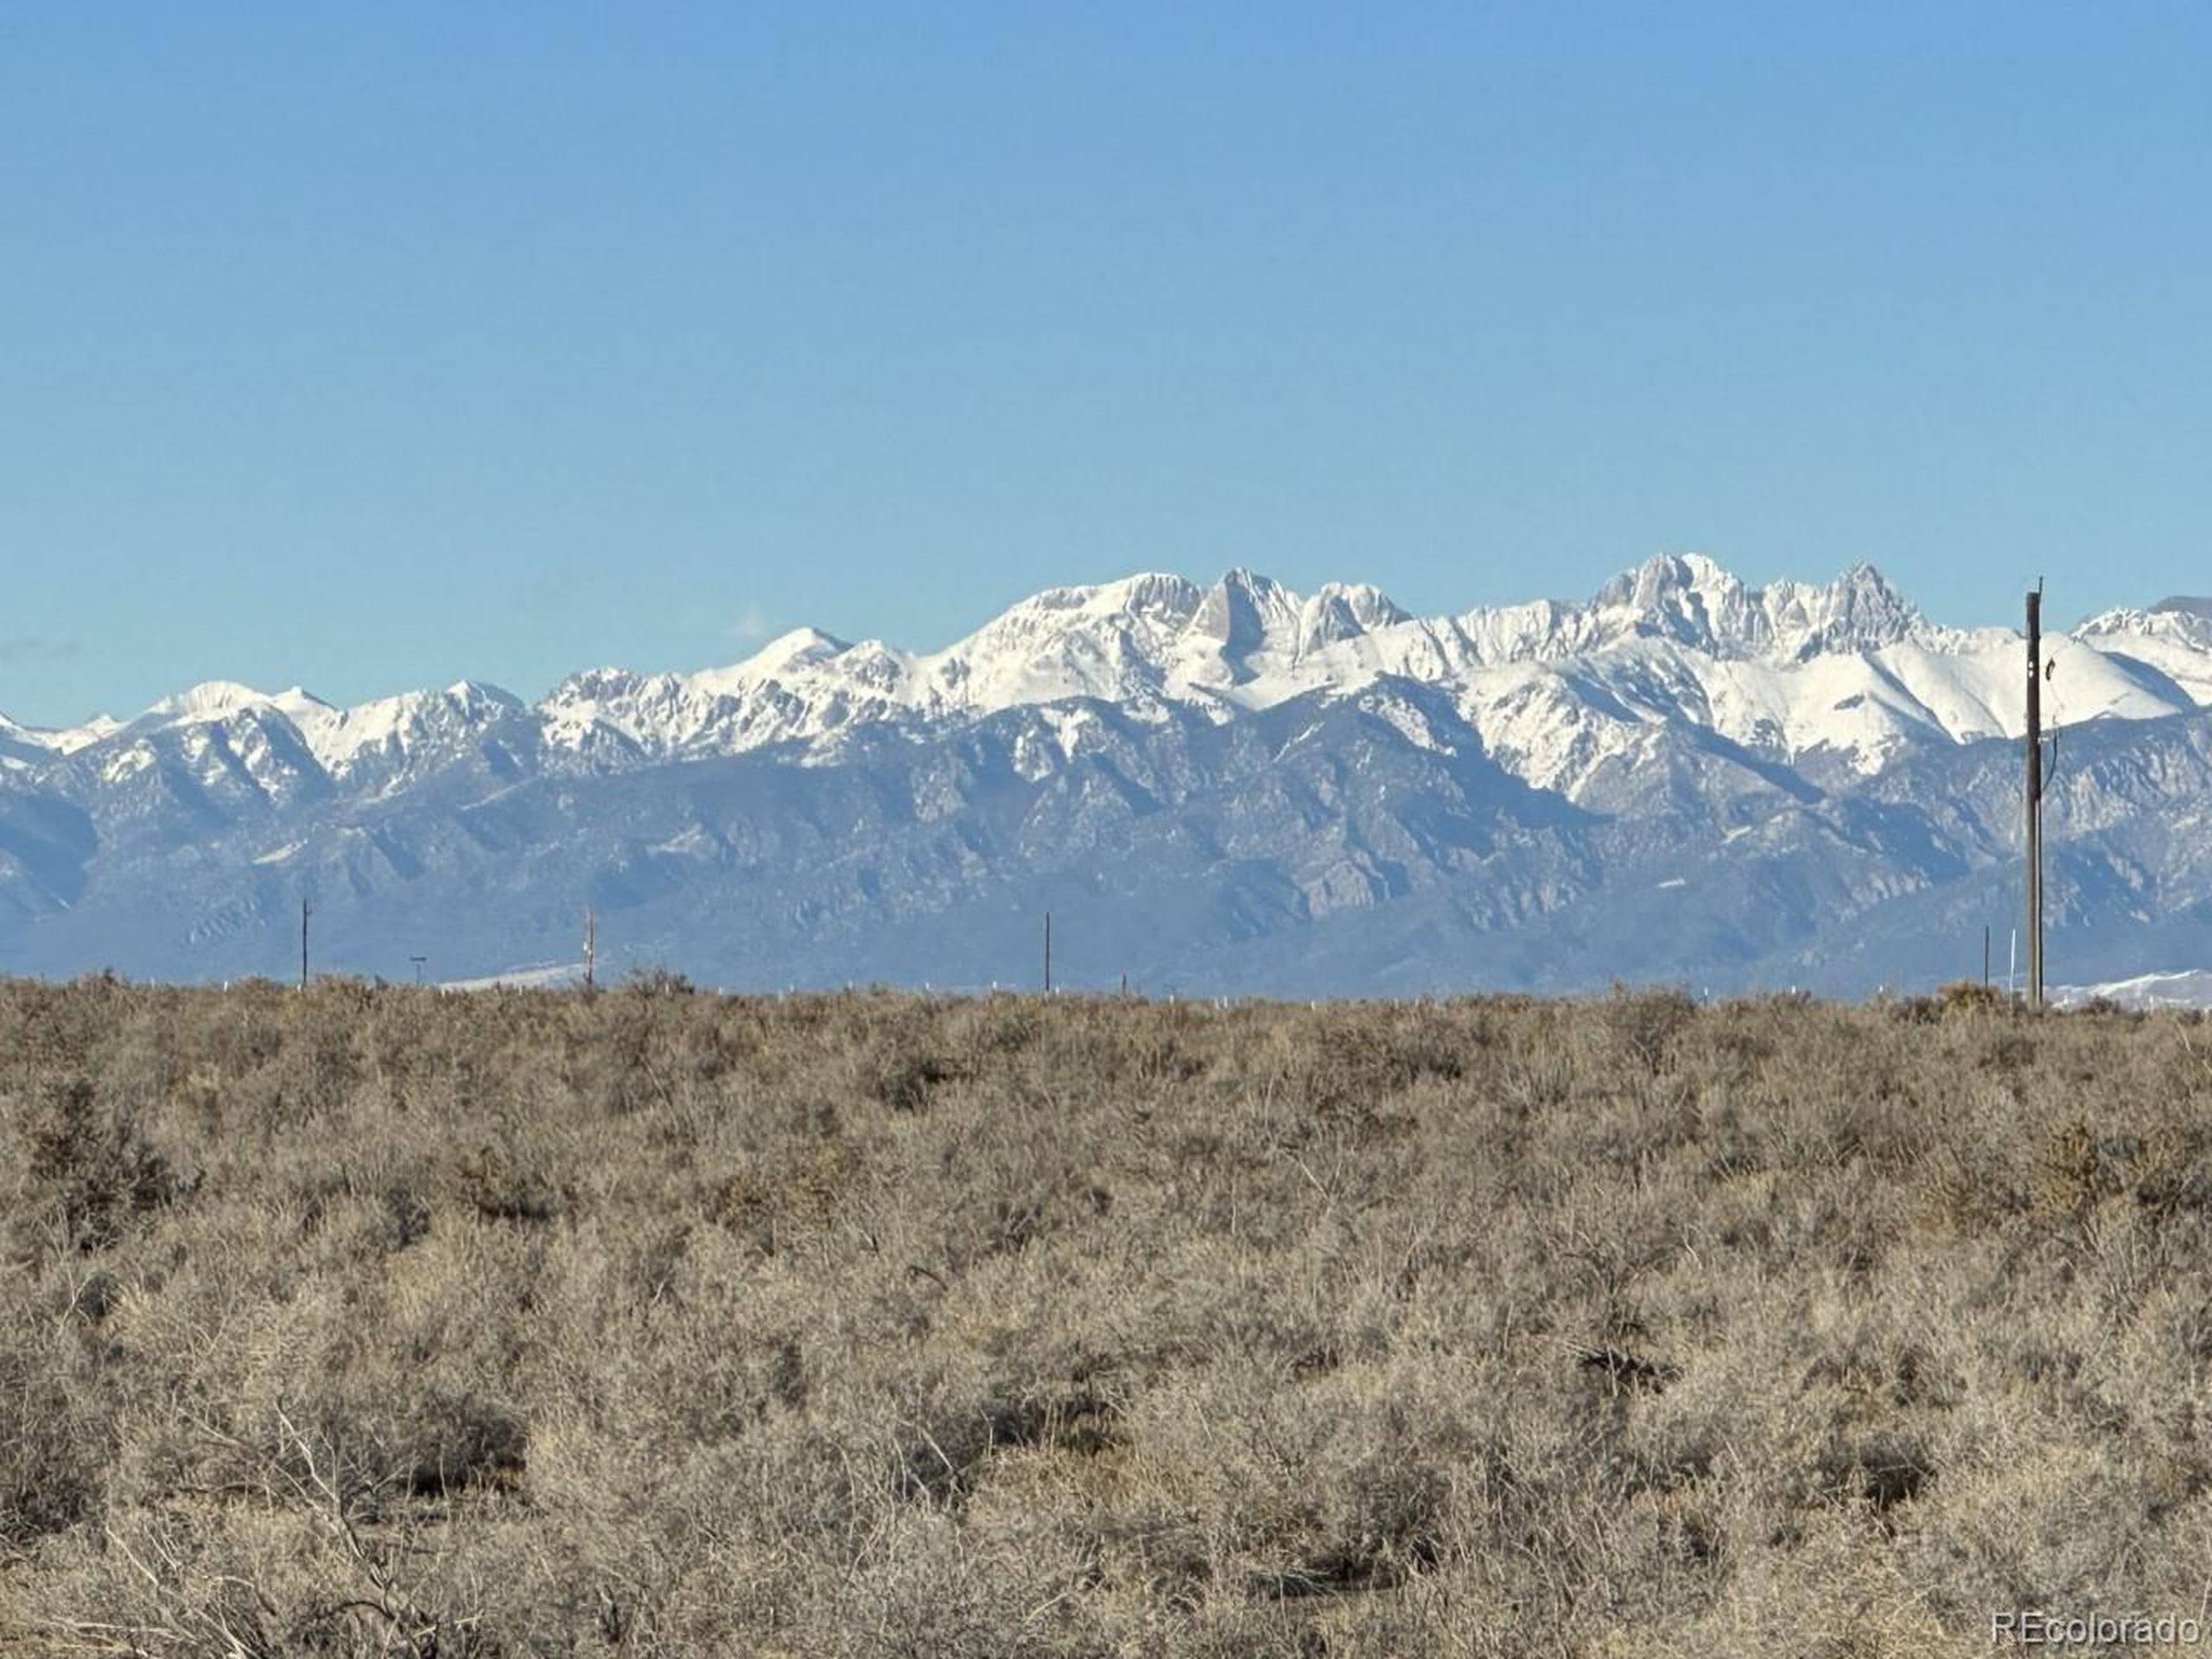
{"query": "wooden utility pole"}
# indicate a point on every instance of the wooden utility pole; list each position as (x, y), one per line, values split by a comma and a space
(2034, 802)
(304, 913)
(590, 951)
(1048, 953)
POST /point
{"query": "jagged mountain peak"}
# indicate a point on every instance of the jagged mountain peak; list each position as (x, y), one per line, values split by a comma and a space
(21, 747)
(587, 685)
(69, 739)
(797, 645)
(1150, 593)
(1691, 599)
(1206, 769)
(480, 693)
(1786, 668)
(1241, 610)
(464, 698)
(1646, 586)
(1256, 584)
(1151, 602)
(219, 699)
(387, 736)
(1340, 610)
(2168, 618)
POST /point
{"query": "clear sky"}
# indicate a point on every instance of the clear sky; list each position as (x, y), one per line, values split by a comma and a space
(371, 346)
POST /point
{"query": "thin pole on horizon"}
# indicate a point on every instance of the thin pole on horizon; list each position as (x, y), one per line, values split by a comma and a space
(590, 950)
(2034, 797)
(304, 913)
(1048, 953)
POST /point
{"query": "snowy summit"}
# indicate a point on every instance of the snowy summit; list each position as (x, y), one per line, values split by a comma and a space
(1279, 759)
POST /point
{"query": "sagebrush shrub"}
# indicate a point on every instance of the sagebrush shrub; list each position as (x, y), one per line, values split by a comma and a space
(373, 1320)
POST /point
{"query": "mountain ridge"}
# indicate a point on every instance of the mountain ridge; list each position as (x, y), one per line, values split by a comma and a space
(1246, 638)
(1323, 777)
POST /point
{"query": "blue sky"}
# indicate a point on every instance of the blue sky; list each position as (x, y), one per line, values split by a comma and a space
(373, 347)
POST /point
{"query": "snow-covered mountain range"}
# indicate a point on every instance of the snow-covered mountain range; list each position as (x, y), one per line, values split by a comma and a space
(1233, 786)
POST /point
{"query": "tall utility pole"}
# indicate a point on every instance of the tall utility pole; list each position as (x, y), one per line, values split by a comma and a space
(303, 943)
(1048, 953)
(590, 952)
(2035, 798)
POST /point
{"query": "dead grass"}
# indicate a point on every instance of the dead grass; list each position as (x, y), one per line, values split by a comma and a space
(375, 1321)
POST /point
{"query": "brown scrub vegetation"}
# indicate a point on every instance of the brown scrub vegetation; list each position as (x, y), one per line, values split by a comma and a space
(376, 1320)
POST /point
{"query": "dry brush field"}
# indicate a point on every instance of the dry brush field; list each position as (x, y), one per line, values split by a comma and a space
(379, 1321)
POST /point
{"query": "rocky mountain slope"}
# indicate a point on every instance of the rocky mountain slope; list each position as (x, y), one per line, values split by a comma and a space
(1224, 788)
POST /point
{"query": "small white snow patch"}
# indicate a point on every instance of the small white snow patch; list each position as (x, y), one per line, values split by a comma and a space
(2190, 988)
(546, 977)
(132, 761)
